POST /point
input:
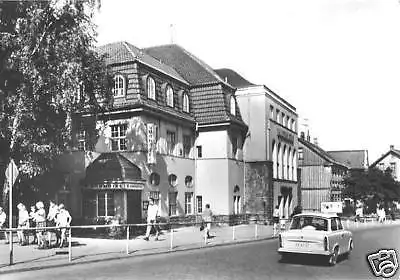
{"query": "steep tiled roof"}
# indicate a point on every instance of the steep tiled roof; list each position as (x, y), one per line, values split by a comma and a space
(208, 92)
(322, 153)
(233, 78)
(352, 158)
(122, 52)
(194, 70)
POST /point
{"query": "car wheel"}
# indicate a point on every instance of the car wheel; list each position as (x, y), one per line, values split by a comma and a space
(334, 256)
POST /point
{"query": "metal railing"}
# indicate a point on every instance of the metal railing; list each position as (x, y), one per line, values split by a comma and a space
(171, 226)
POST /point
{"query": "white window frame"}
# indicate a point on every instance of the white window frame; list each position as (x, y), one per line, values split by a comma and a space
(189, 203)
(105, 204)
(119, 86)
(186, 104)
(120, 137)
(170, 96)
(151, 88)
(81, 139)
(171, 144)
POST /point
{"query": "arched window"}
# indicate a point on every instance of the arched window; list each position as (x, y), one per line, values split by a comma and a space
(289, 164)
(173, 180)
(274, 160)
(154, 179)
(294, 165)
(236, 200)
(233, 106)
(170, 96)
(279, 162)
(119, 86)
(189, 181)
(186, 103)
(284, 160)
(151, 88)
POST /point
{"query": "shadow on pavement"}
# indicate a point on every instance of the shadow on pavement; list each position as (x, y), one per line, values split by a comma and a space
(309, 260)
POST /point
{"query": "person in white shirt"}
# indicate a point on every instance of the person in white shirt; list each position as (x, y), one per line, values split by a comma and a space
(51, 222)
(3, 218)
(152, 214)
(63, 220)
(23, 223)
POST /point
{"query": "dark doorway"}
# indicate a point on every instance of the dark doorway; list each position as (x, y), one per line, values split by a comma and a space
(134, 203)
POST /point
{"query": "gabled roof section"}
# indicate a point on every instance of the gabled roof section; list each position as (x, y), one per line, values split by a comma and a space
(191, 68)
(112, 167)
(392, 151)
(233, 78)
(124, 52)
(322, 153)
(357, 159)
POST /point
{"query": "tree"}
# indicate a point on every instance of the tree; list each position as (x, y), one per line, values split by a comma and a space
(372, 186)
(49, 71)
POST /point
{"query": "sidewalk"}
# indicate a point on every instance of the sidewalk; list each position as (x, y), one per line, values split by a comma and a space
(86, 250)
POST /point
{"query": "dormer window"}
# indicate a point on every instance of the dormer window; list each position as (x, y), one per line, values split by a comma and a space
(233, 106)
(151, 88)
(186, 103)
(170, 96)
(119, 86)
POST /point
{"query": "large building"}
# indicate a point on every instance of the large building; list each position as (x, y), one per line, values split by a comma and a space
(174, 133)
(321, 175)
(270, 150)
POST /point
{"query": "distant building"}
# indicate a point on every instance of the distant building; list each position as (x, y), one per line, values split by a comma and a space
(355, 159)
(321, 175)
(391, 159)
(270, 150)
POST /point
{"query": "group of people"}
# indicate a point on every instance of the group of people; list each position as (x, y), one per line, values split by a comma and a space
(153, 214)
(35, 223)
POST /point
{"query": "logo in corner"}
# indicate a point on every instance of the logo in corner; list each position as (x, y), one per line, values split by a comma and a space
(384, 263)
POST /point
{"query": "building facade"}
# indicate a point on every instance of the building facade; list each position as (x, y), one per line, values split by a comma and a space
(174, 133)
(270, 150)
(390, 159)
(321, 175)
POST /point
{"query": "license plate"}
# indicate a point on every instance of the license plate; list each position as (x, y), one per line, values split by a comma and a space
(302, 244)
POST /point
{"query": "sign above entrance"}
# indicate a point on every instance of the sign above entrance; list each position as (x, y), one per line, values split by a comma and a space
(117, 186)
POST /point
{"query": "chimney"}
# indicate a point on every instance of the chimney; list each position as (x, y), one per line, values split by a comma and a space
(315, 141)
(226, 79)
(308, 136)
(302, 135)
(391, 147)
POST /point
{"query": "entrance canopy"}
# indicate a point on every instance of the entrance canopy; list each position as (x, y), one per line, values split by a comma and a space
(113, 171)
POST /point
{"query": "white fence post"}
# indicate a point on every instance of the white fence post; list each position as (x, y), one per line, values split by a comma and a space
(70, 245)
(11, 248)
(255, 234)
(127, 240)
(171, 245)
(233, 232)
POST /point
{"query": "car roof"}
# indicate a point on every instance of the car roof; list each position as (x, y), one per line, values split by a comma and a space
(317, 214)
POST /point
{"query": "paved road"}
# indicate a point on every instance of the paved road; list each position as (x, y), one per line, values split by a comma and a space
(256, 260)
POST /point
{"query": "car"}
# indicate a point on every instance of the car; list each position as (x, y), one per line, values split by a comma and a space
(316, 234)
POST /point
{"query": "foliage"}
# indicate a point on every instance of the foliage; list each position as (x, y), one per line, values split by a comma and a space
(49, 70)
(372, 186)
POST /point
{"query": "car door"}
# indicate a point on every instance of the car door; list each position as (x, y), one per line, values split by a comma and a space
(343, 236)
(335, 234)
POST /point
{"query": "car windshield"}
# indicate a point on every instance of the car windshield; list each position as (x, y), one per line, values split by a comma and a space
(309, 222)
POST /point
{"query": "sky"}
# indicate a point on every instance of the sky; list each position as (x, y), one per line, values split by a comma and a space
(336, 61)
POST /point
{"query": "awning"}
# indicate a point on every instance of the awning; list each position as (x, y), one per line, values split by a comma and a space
(113, 171)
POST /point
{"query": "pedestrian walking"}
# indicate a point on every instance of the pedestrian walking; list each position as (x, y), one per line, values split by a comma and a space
(51, 222)
(32, 223)
(40, 219)
(207, 219)
(23, 224)
(3, 218)
(152, 215)
(275, 218)
(63, 220)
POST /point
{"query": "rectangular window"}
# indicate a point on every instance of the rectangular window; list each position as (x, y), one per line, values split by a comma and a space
(301, 153)
(188, 203)
(172, 203)
(81, 138)
(170, 142)
(271, 110)
(187, 144)
(234, 146)
(199, 202)
(118, 137)
(105, 204)
(278, 116)
(393, 168)
(154, 195)
(382, 166)
(199, 151)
